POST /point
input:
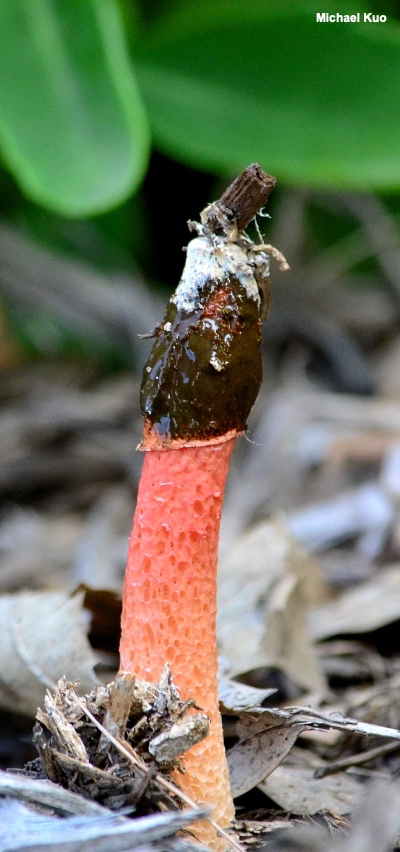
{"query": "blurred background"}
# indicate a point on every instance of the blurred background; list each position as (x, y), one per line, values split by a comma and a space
(119, 121)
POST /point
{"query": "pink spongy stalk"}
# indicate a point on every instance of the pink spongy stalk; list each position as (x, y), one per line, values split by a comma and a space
(169, 604)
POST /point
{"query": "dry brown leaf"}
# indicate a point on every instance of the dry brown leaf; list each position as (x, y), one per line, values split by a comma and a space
(42, 637)
(375, 823)
(263, 744)
(266, 735)
(367, 607)
(286, 642)
(265, 587)
(236, 697)
(297, 790)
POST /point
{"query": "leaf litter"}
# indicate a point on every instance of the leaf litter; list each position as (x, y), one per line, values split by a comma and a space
(309, 611)
(273, 596)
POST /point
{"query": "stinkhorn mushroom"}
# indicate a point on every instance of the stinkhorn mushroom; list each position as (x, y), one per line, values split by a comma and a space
(199, 385)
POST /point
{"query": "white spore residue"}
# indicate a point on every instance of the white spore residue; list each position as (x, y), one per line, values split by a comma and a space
(204, 261)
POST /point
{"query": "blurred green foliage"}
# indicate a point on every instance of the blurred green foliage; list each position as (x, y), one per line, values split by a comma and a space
(72, 125)
(89, 89)
(219, 84)
(225, 84)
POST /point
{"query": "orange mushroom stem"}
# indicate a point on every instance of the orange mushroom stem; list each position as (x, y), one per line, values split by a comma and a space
(199, 385)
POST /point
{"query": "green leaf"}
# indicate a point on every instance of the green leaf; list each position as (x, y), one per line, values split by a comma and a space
(72, 126)
(318, 103)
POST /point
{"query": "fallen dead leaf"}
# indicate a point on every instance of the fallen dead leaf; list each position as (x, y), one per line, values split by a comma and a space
(266, 735)
(375, 823)
(286, 643)
(42, 637)
(370, 605)
(265, 586)
(236, 696)
(296, 790)
(263, 744)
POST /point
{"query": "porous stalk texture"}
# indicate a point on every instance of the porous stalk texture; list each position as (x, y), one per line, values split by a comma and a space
(169, 609)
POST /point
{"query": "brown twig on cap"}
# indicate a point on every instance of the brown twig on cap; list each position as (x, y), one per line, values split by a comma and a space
(241, 201)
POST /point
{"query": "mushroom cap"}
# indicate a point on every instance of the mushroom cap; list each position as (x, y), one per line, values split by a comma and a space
(204, 371)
